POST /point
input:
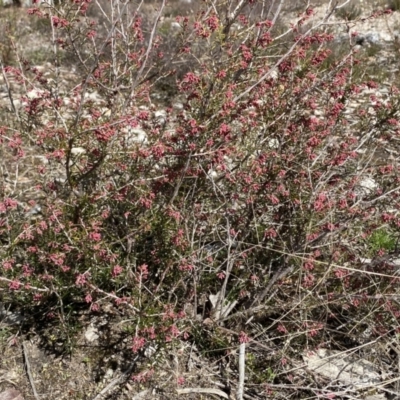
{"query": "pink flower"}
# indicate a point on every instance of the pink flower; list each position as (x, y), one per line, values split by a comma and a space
(96, 236)
(8, 264)
(138, 343)
(59, 22)
(143, 272)
(81, 280)
(213, 23)
(117, 270)
(243, 338)
(270, 233)
(143, 376)
(33, 11)
(14, 285)
(221, 275)
(221, 74)
(274, 200)
(180, 380)
(91, 34)
(174, 331)
(282, 329)
(37, 297)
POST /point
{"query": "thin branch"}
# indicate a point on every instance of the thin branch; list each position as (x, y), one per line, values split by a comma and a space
(203, 390)
(150, 45)
(28, 371)
(242, 351)
(9, 93)
(116, 381)
(282, 59)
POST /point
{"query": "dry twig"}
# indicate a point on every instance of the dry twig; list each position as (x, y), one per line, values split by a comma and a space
(116, 381)
(28, 370)
(242, 350)
(203, 390)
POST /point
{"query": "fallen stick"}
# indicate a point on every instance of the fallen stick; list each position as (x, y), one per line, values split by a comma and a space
(28, 370)
(116, 381)
(203, 390)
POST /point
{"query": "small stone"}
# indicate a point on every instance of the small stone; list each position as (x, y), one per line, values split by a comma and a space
(34, 211)
(178, 106)
(11, 394)
(91, 334)
(76, 151)
(135, 135)
(176, 26)
(150, 351)
(10, 318)
(160, 116)
(273, 143)
(368, 185)
(109, 374)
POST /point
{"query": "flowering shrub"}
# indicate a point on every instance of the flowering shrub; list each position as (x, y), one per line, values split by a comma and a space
(251, 195)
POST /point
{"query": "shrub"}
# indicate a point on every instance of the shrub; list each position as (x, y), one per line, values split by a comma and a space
(394, 5)
(249, 197)
(350, 11)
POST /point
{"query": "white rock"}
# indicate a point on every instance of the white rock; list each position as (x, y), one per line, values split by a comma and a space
(160, 116)
(378, 396)
(351, 371)
(91, 334)
(176, 26)
(274, 74)
(367, 185)
(134, 136)
(273, 143)
(387, 37)
(34, 94)
(177, 106)
(10, 394)
(105, 112)
(396, 262)
(8, 317)
(34, 211)
(236, 26)
(29, 3)
(109, 374)
(213, 174)
(150, 351)
(94, 96)
(76, 151)
(40, 160)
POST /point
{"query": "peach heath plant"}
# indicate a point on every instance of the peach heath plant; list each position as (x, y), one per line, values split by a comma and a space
(248, 180)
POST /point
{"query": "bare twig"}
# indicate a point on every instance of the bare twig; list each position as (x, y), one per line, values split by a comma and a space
(242, 351)
(150, 45)
(116, 381)
(141, 395)
(113, 296)
(9, 93)
(203, 390)
(30, 287)
(28, 370)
